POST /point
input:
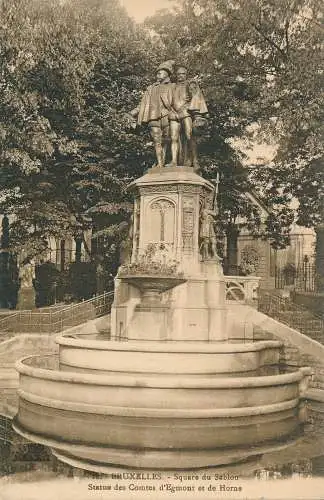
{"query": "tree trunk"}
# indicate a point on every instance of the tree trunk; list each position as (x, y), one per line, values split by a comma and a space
(78, 248)
(231, 253)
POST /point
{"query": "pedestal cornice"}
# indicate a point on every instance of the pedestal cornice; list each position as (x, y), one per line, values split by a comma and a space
(157, 178)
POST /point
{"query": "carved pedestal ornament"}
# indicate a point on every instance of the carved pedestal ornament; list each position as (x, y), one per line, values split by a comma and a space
(188, 224)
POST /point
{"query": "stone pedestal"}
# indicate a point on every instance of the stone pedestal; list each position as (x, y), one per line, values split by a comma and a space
(215, 298)
(167, 215)
(26, 298)
(26, 294)
(167, 391)
(167, 209)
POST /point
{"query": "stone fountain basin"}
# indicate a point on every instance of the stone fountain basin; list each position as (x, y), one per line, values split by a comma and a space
(131, 417)
(190, 358)
(152, 393)
(158, 283)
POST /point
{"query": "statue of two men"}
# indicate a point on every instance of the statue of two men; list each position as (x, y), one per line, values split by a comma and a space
(170, 110)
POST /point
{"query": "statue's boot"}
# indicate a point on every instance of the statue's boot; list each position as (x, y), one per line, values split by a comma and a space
(196, 166)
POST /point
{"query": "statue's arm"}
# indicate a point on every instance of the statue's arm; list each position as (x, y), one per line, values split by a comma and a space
(213, 212)
(131, 118)
(140, 111)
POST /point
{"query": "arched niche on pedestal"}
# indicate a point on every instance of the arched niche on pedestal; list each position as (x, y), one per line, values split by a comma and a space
(160, 221)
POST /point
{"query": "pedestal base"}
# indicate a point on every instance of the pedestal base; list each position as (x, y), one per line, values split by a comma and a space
(149, 322)
(194, 310)
(26, 299)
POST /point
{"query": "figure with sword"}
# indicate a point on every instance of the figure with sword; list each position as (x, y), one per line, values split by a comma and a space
(208, 236)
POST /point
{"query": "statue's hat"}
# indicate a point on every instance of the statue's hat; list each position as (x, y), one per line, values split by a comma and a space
(168, 66)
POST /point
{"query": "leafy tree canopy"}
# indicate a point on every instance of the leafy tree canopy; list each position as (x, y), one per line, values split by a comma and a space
(70, 70)
(260, 65)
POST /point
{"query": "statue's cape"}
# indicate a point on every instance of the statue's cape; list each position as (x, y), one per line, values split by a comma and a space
(197, 102)
(155, 103)
(161, 99)
(187, 96)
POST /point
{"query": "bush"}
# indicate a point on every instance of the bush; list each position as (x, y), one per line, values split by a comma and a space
(82, 280)
(47, 284)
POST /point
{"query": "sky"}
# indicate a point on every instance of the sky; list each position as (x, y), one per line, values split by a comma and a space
(140, 9)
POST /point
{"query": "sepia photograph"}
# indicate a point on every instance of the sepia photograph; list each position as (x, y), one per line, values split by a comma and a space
(161, 249)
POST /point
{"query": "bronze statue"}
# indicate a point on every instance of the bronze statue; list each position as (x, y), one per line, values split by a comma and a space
(188, 108)
(155, 107)
(172, 110)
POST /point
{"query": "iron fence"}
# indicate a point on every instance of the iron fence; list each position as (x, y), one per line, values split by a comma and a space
(57, 320)
(301, 278)
(294, 315)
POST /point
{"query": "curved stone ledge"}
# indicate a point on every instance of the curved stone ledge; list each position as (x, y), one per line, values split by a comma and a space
(25, 367)
(159, 391)
(175, 358)
(156, 432)
(98, 458)
(120, 415)
(146, 395)
(158, 412)
(167, 346)
(98, 461)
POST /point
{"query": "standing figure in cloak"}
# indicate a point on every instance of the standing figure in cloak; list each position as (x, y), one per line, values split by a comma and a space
(207, 230)
(154, 110)
(208, 237)
(188, 110)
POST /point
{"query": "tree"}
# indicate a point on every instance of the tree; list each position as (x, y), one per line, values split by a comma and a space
(259, 63)
(69, 73)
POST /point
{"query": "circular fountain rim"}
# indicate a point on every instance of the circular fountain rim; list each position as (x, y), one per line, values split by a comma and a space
(68, 453)
(162, 413)
(194, 347)
(158, 380)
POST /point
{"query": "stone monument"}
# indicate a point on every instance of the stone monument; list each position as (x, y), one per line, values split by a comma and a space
(167, 238)
(174, 219)
(169, 389)
(26, 293)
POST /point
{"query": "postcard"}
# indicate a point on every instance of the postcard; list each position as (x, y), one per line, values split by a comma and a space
(161, 250)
